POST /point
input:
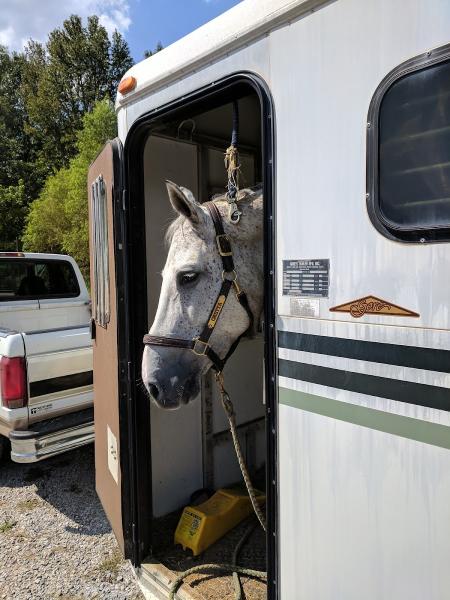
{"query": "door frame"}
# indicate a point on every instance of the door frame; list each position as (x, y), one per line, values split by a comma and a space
(132, 313)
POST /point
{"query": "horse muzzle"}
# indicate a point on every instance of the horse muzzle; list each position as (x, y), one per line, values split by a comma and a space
(170, 379)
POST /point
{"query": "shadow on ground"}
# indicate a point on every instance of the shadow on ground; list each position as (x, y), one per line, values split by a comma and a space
(67, 482)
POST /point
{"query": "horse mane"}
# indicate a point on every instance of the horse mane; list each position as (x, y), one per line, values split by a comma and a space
(245, 194)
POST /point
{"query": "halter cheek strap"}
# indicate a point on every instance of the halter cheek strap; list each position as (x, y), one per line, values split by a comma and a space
(200, 345)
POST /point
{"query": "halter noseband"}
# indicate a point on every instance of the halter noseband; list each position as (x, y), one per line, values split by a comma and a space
(200, 345)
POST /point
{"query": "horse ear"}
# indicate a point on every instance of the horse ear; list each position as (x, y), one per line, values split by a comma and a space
(183, 202)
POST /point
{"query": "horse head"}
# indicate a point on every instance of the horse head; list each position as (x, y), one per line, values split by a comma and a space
(192, 281)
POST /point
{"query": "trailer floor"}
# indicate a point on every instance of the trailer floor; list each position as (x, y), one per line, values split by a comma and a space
(207, 586)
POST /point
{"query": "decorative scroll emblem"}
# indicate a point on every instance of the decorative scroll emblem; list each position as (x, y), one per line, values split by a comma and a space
(371, 305)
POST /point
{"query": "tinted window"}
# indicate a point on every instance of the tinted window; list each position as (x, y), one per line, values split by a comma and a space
(22, 279)
(414, 150)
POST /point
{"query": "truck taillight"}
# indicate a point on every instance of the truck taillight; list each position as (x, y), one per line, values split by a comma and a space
(13, 382)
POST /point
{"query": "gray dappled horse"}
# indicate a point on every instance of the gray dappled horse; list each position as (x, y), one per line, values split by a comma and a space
(192, 284)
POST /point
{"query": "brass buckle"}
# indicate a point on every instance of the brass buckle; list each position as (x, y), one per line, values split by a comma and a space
(223, 252)
(196, 350)
(233, 279)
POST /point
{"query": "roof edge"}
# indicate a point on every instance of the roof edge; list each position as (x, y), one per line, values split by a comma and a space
(241, 28)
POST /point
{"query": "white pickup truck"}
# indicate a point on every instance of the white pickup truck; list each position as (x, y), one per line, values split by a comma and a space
(46, 392)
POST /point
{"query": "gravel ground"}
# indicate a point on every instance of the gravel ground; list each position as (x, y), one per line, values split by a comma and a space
(55, 540)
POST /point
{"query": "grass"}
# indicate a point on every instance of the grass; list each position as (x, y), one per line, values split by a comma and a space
(112, 563)
(27, 505)
(7, 526)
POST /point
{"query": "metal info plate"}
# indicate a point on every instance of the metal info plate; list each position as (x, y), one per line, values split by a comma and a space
(306, 277)
(304, 307)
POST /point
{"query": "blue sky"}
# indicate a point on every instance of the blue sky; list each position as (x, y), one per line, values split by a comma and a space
(142, 22)
(168, 20)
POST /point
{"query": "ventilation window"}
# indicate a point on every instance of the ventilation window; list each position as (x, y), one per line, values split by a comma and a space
(409, 151)
(100, 305)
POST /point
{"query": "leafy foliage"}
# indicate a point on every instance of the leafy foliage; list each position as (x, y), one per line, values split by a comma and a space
(12, 210)
(64, 80)
(58, 219)
(47, 94)
(149, 53)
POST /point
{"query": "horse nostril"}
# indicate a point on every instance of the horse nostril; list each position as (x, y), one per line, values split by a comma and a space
(153, 389)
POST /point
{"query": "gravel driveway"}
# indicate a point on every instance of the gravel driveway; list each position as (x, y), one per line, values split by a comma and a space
(55, 541)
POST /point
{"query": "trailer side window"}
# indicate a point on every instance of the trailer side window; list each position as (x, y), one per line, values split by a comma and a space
(100, 254)
(410, 169)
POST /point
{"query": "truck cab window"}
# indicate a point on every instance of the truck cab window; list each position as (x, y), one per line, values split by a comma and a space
(411, 195)
(33, 279)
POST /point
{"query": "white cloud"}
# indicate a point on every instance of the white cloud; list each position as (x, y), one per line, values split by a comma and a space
(21, 20)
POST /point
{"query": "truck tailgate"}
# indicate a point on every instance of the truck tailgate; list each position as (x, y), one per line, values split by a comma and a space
(59, 363)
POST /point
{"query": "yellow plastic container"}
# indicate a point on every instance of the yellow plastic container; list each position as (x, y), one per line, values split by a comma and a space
(202, 525)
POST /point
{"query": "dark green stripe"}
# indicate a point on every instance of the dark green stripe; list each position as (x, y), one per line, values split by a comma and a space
(406, 427)
(403, 391)
(429, 359)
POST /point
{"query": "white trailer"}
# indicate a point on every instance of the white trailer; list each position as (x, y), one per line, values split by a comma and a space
(345, 118)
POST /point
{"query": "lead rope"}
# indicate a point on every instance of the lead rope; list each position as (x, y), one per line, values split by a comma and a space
(229, 411)
(226, 567)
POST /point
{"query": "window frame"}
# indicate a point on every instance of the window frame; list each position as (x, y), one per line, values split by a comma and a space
(42, 296)
(390, 230)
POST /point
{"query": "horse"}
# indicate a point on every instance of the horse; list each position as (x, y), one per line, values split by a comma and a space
(192, 293)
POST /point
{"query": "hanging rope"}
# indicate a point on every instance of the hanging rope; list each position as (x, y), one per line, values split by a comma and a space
(229, 411)
(232, 165)
(225, 567)
(213, 568)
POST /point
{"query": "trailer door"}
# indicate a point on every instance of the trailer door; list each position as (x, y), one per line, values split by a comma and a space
(105, 193)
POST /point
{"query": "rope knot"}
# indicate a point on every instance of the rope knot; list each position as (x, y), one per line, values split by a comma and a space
(232, 165)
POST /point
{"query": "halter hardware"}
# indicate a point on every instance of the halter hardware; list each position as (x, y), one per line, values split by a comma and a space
(224, 245)
(198, 342)
(199, 345)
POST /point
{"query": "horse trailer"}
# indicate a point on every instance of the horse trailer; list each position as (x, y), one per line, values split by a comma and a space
(340, 112)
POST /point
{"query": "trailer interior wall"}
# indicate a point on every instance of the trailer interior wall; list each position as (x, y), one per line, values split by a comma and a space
(178, 438)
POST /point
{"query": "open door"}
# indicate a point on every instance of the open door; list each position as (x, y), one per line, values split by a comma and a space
(105, 192)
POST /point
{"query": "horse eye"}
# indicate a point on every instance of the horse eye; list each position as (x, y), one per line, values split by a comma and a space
(186, 278)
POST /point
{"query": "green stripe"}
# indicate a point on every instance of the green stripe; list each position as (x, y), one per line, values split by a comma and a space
(407, 427)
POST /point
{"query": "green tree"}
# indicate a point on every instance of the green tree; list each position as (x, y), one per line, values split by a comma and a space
(13, 207)
(16, 148)
(62, 81)
(149, 53)
(58, 219)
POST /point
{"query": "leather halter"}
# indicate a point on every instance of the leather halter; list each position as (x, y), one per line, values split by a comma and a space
(200, 345)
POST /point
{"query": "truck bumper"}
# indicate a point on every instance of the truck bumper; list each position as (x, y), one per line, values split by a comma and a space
(53, 437)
